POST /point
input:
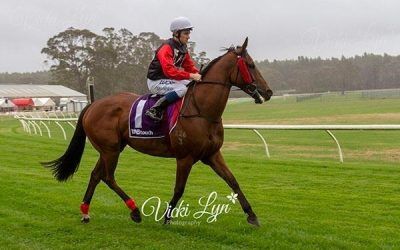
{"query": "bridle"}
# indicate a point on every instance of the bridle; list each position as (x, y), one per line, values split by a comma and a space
(250, 88)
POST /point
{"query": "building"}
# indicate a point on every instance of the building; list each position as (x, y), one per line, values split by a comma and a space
(23, 103)
(6, 105)
(58, 94)
(43, 103)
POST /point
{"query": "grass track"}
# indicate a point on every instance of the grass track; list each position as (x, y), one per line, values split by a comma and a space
(303, 197)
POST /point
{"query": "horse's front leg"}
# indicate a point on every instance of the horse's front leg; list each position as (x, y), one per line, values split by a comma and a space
(183, 168)
(218, 164)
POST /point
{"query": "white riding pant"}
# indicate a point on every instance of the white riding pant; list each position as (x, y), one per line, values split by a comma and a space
(165, 86)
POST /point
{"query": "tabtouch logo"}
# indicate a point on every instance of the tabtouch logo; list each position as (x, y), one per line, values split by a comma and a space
(141, 132)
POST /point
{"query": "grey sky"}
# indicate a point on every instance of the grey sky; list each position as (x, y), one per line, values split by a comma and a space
(276, 29)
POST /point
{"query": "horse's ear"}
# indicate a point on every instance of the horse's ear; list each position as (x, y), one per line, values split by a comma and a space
(244, 46)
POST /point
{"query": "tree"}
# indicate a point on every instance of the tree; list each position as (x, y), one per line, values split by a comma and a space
(199, 59)
(118, 60)
(121, 60)
(72, 54)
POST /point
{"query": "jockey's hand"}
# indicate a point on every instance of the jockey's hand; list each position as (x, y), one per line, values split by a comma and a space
(195, 76)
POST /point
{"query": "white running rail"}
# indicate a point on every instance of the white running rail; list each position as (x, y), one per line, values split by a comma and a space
(31, 122)
(32, 125)
(327, 128)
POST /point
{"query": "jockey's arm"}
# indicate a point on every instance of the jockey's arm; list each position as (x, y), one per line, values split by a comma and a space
(166, 58)
(188, 64)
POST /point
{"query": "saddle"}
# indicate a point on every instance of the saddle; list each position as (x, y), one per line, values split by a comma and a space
(142, 126)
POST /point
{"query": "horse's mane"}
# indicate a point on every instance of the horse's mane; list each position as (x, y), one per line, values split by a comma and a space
(215, 60)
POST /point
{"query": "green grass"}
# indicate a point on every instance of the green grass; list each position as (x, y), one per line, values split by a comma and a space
(303, 197)
(332, 109)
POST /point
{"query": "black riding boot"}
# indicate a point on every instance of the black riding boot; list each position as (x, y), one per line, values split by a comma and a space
(156, 112)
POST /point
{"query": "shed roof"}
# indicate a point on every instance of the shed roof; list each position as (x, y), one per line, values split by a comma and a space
(33, 90)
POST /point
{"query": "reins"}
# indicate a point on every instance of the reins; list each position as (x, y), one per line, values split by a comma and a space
(250, 87)
(199, 114)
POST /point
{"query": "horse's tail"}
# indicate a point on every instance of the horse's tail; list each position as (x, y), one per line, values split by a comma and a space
(65, 166)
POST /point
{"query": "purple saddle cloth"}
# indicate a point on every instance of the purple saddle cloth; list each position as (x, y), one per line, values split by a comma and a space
(142, 126)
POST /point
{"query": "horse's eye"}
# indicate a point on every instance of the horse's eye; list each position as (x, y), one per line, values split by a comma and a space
(252, 66)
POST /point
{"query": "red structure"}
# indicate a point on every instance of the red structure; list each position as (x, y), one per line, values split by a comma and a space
(23, 103)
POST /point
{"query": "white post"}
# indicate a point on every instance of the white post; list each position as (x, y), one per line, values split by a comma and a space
(265, 143)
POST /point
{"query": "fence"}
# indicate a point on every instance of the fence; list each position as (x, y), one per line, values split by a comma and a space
(350, 95)
(32, 125)
(327, 128)
(32, 121)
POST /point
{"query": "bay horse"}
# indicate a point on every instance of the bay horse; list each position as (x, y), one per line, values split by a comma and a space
(197, 136)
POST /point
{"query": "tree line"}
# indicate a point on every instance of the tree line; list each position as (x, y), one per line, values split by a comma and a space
(38, 77)
(118, 61)
(311, 75)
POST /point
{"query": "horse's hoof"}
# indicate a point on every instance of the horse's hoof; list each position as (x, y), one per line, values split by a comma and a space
(253, 221)
(85, 219)
(135, 215)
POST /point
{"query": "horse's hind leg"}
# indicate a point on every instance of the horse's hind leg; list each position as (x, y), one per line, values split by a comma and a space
(111, 160)
(104, 170)
(94, 180)
(217, 163)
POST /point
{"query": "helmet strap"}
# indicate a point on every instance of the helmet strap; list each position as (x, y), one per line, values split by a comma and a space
(177, 35)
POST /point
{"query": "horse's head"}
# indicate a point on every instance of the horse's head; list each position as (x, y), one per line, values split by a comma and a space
(247, 77)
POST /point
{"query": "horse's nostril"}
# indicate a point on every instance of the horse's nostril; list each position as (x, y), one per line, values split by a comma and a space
(269, 92)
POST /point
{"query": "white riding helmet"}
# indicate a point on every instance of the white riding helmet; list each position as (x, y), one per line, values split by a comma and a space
(180, 23)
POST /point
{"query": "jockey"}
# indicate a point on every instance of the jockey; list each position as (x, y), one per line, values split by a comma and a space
(172, 68)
